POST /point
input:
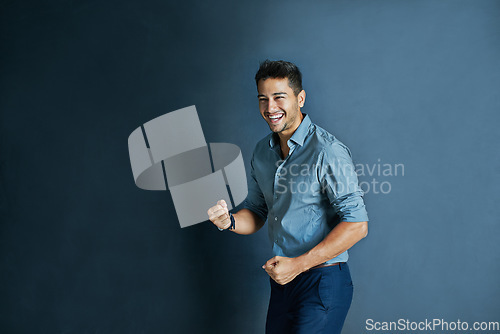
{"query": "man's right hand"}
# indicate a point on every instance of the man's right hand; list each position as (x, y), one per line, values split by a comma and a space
(219, 215)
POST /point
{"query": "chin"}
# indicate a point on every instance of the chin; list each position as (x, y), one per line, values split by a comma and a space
(278, 130)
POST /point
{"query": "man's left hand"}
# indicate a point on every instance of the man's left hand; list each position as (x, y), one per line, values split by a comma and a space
(282, 269)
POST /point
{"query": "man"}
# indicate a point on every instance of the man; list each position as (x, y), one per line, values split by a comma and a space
(304, 184)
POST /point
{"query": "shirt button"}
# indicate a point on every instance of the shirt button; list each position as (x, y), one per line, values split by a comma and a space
(275, 218)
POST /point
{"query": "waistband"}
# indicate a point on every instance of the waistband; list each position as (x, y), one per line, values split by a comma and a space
(323, 265)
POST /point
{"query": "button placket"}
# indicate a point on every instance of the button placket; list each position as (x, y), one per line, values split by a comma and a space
(277, 175)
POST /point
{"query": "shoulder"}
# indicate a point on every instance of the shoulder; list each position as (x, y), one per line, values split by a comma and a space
(264, 142)
(331, 146)
(262, 145)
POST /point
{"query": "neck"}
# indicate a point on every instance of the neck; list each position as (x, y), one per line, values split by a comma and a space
(285, 135)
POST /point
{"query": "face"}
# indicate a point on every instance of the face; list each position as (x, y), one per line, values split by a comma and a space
(279, 106)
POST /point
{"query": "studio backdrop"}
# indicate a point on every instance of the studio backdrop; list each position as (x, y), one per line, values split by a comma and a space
(411, 87)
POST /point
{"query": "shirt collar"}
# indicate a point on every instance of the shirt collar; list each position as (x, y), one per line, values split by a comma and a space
(298, 136)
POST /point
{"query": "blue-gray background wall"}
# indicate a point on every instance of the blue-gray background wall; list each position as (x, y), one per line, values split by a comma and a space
(83, 250)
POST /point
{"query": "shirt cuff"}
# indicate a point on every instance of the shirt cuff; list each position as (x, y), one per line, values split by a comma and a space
(256, 210)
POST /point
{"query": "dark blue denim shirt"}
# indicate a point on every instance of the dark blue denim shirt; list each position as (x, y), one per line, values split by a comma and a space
(304, 196)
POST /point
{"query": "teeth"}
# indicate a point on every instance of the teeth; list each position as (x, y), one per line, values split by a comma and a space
(274, 117)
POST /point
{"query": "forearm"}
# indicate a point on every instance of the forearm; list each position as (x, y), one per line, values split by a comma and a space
(340, 239)
(247, 222)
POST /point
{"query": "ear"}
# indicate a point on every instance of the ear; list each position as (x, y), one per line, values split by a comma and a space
(301, 98)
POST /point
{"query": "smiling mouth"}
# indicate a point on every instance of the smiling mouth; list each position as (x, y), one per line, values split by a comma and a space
(275, 118)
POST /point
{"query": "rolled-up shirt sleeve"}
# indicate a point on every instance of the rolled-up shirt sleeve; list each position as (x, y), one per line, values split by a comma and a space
(255, 200)
(339, 180)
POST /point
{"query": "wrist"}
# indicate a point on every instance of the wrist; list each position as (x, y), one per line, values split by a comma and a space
(306, 261)
(232, 224)
(302, 263)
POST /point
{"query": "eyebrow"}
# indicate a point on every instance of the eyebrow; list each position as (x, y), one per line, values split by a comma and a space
(274, 94)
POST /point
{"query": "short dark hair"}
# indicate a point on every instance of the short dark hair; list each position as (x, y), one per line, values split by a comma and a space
(280, 69)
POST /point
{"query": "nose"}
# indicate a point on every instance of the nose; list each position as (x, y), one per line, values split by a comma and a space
(272, 106)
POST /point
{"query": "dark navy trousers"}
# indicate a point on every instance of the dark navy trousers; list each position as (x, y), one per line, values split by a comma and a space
(315, 302)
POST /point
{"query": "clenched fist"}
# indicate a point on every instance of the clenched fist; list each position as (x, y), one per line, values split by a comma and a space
(219, 215)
